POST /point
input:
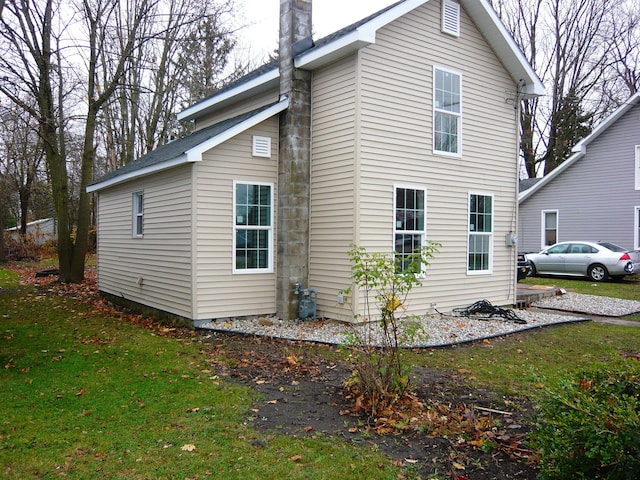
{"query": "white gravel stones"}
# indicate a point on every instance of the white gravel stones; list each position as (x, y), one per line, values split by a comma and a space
(591, 304)
(435, 329)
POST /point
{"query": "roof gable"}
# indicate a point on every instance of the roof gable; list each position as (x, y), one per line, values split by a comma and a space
(580, 149)
(362, 33)
(188, 149)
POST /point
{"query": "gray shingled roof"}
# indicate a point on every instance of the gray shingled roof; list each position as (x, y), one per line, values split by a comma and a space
(179, 147)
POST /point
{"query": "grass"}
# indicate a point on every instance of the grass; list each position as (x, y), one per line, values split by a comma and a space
(86, 395)
(521, 364)
(90, 395)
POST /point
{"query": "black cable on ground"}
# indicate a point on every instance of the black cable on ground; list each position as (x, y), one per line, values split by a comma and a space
(485, 307)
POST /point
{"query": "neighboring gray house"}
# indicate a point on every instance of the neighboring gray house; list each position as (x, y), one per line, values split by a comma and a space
(393, 131)
(594, 194)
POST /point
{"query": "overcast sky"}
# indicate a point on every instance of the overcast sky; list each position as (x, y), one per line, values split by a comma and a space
(261, 16)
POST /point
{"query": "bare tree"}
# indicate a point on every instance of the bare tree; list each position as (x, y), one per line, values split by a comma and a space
(20, 161)
(570, 46)
(40, 63)
(188, 45)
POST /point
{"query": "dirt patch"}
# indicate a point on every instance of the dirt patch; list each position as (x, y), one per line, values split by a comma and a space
(476, 435)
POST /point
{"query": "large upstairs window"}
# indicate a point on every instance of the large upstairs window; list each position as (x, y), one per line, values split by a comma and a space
(447, 112)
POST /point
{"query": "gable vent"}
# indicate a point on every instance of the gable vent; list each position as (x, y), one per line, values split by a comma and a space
(262, 147)
(451, 17)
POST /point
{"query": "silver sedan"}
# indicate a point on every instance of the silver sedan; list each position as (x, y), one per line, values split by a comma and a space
(596, 261)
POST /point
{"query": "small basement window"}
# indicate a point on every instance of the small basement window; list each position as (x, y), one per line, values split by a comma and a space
(262, 146)
(451, 17)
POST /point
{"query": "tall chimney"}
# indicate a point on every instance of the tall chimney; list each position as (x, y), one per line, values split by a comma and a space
(294, 160)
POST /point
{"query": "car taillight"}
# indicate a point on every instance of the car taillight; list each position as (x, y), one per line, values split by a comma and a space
(625, 256)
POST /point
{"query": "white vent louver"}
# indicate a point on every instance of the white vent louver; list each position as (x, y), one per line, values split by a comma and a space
(451, 17)
(262, 147)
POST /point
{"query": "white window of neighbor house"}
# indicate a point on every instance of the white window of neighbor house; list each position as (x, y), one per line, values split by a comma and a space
(451, 17)
(549, 227)
(637, 167)
(253, 227)
(409, 224)
(447, 112)
(636, 245)
(138, 214)
(480, 247)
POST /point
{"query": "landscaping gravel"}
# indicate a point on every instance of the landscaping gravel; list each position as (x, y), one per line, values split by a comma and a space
(590, 304)
(437, 329)
(433, 329)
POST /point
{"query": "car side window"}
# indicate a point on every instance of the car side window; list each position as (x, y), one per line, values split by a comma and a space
(580, 248)
(558, 249)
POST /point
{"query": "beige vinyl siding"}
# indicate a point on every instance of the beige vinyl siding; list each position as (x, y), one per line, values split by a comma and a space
(220, 293)
(396, 148)
(161, 259)
(236, 109)
(333, 208)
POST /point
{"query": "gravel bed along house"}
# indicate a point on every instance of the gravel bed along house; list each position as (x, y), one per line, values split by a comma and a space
(434, 329)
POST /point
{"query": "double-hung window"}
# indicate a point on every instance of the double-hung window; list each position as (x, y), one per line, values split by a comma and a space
(409, 228)
(138, 214)
(447, 112)
(253, 227)
(637, 167)
(480, 247)
(549, 227)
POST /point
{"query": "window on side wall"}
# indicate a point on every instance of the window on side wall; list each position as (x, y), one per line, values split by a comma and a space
(138, 214)
(253, 227)
(409, 225)
(480, 248)
(637, 167)
(549, 227)
(637, 229)
(447, 112)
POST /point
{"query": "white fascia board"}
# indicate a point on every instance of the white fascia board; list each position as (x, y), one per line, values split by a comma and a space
(350, 43)
(234, 94)
(487, 20)
(195, 154)
(138, 173)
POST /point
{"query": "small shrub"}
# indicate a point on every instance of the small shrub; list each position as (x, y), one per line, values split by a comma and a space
(385, 280)
(589, 425)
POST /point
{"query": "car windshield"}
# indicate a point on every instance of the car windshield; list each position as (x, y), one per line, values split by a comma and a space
(612, 246)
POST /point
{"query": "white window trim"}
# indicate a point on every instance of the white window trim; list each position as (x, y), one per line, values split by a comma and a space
(636, 239)
(450, 7)
(457, 154)
(137, 214)
(422, 232)
(270, 228)
(637, 164)
(491, 235)
(543, 227)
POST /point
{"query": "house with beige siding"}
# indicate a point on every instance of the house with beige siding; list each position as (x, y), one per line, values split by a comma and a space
(396, 130)
(594, 194)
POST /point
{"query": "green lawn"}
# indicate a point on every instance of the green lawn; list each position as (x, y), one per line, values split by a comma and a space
(85, 395)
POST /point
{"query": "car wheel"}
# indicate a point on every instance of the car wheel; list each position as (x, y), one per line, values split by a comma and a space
(597, 272)
(532, 270)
